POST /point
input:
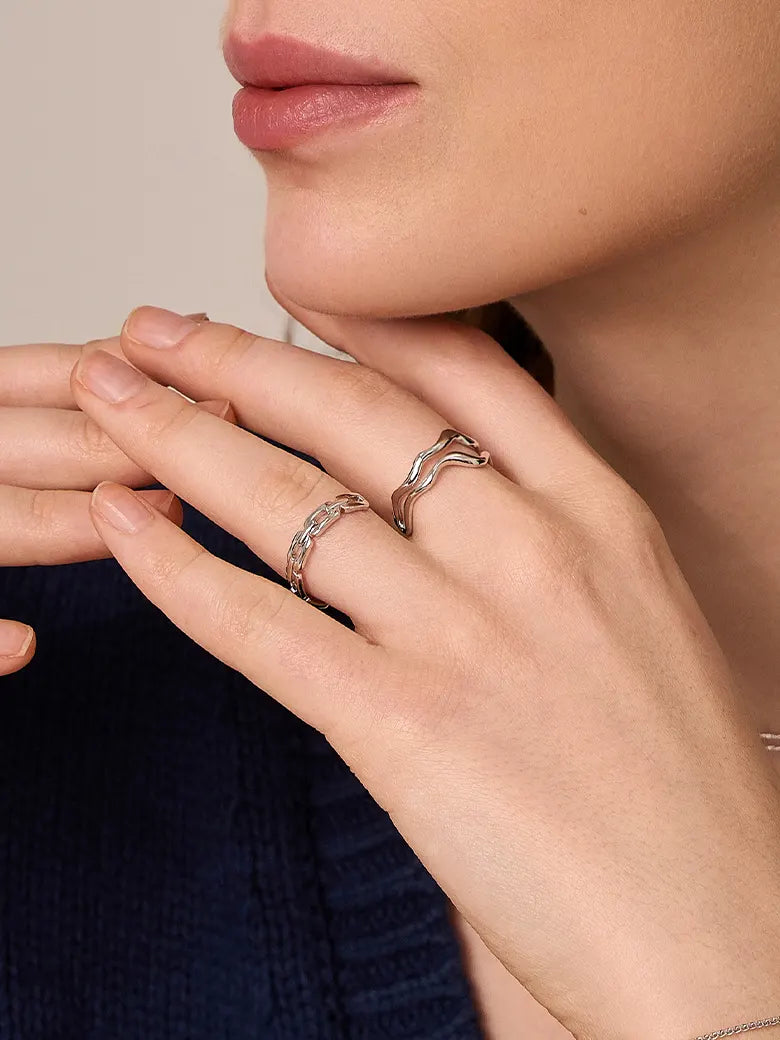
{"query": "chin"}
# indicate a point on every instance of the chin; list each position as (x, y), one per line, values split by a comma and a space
(347, 273)
(341, 270)
(354, 259)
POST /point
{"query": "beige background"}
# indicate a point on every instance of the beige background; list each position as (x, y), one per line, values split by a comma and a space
(121, 180)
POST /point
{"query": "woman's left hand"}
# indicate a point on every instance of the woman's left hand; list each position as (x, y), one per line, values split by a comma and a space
(531, 689)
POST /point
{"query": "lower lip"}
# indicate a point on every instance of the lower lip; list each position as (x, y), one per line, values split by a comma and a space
(269, 119)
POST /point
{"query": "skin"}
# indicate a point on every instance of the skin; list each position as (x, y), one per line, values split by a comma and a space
(564, 136)
(614, 168)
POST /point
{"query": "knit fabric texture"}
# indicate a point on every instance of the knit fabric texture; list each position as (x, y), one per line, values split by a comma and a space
(181, 857)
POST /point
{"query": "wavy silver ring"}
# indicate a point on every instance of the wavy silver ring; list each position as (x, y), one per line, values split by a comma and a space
(404, 496)
(303, 540)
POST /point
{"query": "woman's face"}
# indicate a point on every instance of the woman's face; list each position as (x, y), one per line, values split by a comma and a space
(548, 137)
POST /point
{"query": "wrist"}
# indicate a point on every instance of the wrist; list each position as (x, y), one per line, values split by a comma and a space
(699, 987)
(671, 1012)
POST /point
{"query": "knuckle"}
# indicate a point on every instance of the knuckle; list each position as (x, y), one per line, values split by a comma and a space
(644, 539)
(99, 343)
(228, 348)
(288, 491)
(547, 545)
(363, 389)
(170, 573)
(42, 509)
(249, 611)
(88, 442)
(623, 526)
(177, 417)
(553, 555)
(65, 356)
(631, 520)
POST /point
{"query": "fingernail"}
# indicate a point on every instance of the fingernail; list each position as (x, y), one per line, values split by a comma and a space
(156, 327)
(120, 508)
(15, 638)
(108, 376)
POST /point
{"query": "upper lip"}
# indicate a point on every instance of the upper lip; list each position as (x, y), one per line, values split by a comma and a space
(279, 61)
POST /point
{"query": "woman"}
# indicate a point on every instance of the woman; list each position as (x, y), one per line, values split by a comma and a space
(562, 650)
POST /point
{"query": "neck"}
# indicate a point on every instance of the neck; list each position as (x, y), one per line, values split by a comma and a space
(669, 365)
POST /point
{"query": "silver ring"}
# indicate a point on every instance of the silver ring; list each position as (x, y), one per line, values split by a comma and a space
(404, 496)
(303, 540)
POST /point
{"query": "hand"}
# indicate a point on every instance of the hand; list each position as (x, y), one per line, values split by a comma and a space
(531, 690)
(51, 452)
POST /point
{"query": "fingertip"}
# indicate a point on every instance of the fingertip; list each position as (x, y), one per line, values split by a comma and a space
(17, 646)
(126, 322)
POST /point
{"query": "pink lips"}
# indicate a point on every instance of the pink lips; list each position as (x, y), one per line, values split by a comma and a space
(292, 89)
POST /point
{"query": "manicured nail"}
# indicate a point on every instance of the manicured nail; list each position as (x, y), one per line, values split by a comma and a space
(108, 376)
(156, 327)
(120, 508)
(15, 638)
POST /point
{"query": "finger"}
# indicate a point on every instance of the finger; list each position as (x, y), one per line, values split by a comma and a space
(51, 527)
(17, 646)
(63, 448)
(467, 376)
(364, 429)
(253, 489)
(308, 661)
(39, 373)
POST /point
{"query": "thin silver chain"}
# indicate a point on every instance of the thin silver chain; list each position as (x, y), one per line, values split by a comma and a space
(733, 1030)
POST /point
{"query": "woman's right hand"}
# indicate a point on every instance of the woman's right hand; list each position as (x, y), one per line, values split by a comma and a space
(51, 457)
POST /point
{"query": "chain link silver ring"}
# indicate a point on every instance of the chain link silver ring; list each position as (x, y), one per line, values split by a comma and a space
(303, 540)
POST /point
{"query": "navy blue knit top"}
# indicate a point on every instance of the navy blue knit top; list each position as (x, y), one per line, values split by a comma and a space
(181, 857)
